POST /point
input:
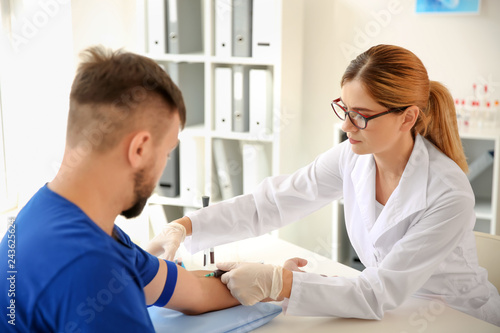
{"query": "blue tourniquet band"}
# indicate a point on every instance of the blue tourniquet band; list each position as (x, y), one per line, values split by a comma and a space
(168, 289)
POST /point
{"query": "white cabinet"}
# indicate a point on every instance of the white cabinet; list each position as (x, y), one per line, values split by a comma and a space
(195, 73)
(479, 143)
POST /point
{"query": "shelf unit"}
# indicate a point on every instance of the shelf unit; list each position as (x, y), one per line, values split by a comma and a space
(197, 139)
(476, 141)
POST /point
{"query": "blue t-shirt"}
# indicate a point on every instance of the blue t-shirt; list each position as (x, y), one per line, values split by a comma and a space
(69, 275)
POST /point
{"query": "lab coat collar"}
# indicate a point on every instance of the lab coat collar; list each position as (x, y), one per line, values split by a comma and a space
(409, 197)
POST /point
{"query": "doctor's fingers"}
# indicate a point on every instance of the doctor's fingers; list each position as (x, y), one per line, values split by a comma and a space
(227, 266)
(293, 264)
(233, 276)
(169, 253)
(246, 295)
(234, 287)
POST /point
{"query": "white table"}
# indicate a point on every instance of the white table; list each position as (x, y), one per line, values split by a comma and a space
(415, 315)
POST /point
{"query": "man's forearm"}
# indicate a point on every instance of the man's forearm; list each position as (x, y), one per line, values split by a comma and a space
(214, 295)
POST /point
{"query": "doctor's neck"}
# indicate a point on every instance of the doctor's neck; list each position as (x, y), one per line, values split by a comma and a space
(392, 163)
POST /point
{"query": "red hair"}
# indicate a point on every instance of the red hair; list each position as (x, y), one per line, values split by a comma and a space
(396, 78)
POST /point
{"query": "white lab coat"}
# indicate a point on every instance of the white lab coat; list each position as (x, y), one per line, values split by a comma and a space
(421, 244)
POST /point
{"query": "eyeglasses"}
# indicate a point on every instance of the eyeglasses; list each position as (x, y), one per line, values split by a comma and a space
(357, 119)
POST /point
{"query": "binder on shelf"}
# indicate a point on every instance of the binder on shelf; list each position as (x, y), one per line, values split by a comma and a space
(223, 99)
(260, 102)
(168, 184)
(228, 162)
(192, 165)
(157, 40)
(240, 99)
(264, 34)
(189, 77)
(256, 165)
(184, 26)
(480, 164)
(242, 28)
(223, 27)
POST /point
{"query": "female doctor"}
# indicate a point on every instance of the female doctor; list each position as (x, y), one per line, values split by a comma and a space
(409, 208)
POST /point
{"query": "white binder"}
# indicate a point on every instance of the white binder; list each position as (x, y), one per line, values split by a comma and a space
(264, 29)
(184, 26)
(240, 99)
(242, 28)
(223, 99)
(191, 163)
(228, 163)
(256, 165)
(260, 102)
(157, 42)
(223, 27)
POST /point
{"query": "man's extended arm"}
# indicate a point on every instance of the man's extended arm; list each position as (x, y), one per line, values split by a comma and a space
(193, 294)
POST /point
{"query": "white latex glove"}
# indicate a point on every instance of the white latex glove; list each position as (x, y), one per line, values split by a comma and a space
(250, 283)
(166, 243)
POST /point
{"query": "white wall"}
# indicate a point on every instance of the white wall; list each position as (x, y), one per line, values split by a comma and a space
(112, 23)
(36, 72)
(457, 50)
(36, 75)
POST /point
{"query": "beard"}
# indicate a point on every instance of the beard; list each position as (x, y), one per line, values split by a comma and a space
(142, 191)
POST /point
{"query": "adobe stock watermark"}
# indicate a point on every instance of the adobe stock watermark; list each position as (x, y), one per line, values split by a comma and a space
(90, 308)
(30, 27)
(422, 318)
(12, 271)
(363, 37)
(260, 143)
(95, 135)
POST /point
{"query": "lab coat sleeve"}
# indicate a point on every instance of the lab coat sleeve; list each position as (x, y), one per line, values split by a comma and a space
(277, 201)
(405, 269)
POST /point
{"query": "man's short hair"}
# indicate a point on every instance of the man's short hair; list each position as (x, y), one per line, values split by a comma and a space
(116, 92)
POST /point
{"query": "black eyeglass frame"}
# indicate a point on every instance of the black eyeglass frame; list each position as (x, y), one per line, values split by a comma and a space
(347, 113)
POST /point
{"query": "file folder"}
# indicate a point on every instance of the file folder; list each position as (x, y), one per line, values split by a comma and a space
(264, 29)
(157, 40)
(184, 26)
(256, 165)
(192, 166)
(168, 184)
(260, 102)
(481, 163)
(228, 162)
(242, 28)
(190, 78)
(223, 99)
(240, 99)
(223, 27)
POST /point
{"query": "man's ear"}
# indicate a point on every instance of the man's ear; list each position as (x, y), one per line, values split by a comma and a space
(410, 117)
(138, 149)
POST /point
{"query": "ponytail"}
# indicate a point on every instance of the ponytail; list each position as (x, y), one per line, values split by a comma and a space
(438, 124)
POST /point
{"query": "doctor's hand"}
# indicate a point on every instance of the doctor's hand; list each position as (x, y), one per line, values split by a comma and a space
(166, 243)
(293, 264)
(250, 283)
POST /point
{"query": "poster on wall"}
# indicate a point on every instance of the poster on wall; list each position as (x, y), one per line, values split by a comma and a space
(447, 6)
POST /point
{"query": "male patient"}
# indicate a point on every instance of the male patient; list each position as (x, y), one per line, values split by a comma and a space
(76, 270)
